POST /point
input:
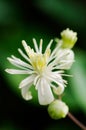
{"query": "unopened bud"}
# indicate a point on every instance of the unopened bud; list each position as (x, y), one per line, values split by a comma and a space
(69, 38)
(58, 109)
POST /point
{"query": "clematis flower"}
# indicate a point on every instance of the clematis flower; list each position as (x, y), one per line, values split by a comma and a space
(44, 70)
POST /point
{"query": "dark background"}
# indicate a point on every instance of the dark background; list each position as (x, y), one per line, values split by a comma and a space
(40, 19)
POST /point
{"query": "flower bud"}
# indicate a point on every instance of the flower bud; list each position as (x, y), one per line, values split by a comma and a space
(58, 109)
(58, 90)
(69, 38)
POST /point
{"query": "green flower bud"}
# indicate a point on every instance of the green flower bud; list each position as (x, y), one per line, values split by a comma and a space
(69, 38)
(58, 109)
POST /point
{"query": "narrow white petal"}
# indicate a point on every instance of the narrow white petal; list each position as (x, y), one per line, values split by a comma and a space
(45, 95)
(27, 81)
(25, 46)
(35, 45)
(40, 47)
(57, 79)
(64, 65)
(63, 59)
(49, 45)
(15, 71)
(67, 59)
(37, 84)
(23, 55)
(15, 63)
(26, 94)
(55, 50)
(19, 63)
(36, 79)
(62, 53)
(58, 57)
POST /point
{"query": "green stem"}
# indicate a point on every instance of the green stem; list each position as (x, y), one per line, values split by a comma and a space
(76, 121)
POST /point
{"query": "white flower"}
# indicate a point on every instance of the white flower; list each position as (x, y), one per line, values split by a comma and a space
(66, 58)
(44, 70)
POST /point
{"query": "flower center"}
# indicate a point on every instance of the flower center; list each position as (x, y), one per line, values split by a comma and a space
(38, 60)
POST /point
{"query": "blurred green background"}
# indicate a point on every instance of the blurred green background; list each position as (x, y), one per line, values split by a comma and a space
(40, 19)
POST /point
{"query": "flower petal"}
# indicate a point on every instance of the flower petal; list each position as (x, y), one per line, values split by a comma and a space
(56, 78)
(49, 44)
(40, 45)
(45, 95)
(25, 85)
(19, 63)
(35, 45)
(64, 60)
(26, 94)
(27, 81)
(23, 55)
(15, 71)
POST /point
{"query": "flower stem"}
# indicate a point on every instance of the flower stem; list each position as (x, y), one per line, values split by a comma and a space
(76, 121)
